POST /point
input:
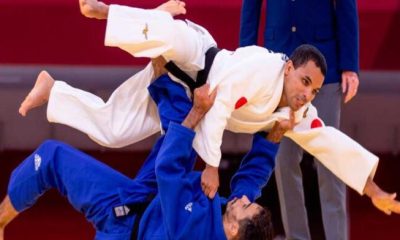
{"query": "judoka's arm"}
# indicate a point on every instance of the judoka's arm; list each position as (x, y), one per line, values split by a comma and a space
(201, 105)
(258, 164)
(176, 190)
(128, 116)
(349, 161)
(208, 142)
(255, 169)
(382, 200)
(210, 131)
(99, 10)
(344, 157)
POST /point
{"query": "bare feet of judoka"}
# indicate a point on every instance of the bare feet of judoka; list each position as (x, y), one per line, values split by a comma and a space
(174, 7)
(93, 9)
(7, 213)
(39, 94)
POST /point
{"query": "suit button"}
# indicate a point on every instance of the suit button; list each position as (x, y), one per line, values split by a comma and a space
(294, 29)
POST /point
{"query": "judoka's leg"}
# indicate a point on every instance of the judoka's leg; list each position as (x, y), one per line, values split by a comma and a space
(7, 214)
(90, 186)
(148, 33)
(99, 10)
(127, 117)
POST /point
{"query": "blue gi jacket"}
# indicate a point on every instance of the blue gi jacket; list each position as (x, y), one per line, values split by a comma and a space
(331, 26)
(181, 205)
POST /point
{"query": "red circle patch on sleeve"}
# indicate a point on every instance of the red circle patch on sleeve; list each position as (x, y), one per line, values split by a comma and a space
(316, 123)
(242, 101)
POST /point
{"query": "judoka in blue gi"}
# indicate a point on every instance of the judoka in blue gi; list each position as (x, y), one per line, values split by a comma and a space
(113, 202)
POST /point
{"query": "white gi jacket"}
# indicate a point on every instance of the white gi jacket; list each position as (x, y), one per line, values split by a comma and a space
(249, 80)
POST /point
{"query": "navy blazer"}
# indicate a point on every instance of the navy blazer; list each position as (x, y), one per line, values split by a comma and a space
(331, 26)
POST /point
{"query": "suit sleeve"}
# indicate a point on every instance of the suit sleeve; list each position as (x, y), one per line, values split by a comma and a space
(348, 35)
(255, 169)
(208, 140)
(344, 157)
(249, 22)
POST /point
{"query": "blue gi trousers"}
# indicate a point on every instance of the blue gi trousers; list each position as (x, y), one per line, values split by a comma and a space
(90, 186)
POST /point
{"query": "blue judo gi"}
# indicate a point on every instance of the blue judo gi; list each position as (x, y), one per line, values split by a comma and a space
(179, 210)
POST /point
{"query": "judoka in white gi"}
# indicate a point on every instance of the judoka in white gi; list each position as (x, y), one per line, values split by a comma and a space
(256, 88)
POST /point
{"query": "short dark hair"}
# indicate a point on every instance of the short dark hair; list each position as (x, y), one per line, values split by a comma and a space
(304, 53)
(259, 227)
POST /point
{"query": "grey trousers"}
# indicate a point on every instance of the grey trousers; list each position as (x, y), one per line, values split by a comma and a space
(290, 185)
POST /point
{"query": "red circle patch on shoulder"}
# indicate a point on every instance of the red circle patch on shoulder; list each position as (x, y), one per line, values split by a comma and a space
(242, 101)
(316, 123)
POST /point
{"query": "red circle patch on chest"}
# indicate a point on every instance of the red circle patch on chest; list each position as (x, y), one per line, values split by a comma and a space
(316, 123)
(242, 101)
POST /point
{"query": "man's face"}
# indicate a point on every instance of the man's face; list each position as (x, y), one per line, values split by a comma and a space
(240, 209)
(300, 84)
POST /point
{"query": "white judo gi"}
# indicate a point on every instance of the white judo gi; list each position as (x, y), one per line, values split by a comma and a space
(250, 82)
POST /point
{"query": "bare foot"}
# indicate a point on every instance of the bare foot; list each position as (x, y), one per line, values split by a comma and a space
(93, 9)
(39, 94)
(7, 214)
(174, 7)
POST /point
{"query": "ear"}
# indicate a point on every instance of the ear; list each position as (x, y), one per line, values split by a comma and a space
(234, 228)
(288, 67)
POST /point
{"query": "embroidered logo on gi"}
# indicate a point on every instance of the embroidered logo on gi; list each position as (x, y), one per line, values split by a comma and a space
(188, 207)
(38, 161)
(242, 101)
(145, 31)
(316, 123)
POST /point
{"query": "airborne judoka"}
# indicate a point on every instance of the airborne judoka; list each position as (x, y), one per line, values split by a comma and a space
(256, 88)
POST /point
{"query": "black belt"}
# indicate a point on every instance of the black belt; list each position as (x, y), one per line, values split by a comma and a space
(139, 210)
(134, 208)
(201, 75)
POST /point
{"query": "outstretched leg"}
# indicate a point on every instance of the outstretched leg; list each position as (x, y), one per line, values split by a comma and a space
(90, 186)
(99, 10)
(39, 94)
(7, 214)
